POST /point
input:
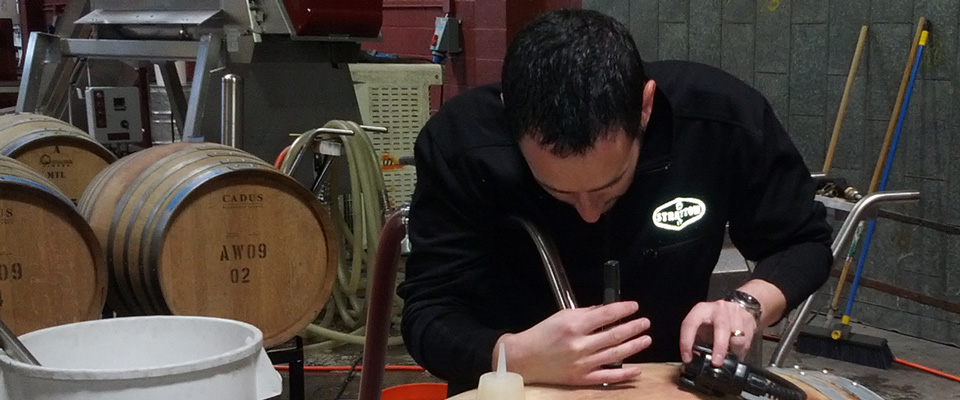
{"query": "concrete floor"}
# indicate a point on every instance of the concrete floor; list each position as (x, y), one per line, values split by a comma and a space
(897, 383)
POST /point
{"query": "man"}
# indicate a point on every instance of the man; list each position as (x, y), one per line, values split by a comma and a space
(646, 164)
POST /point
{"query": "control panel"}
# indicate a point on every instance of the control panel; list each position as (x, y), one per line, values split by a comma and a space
(113, 114)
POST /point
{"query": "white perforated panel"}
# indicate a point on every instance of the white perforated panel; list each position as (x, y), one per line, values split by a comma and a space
(397, 97)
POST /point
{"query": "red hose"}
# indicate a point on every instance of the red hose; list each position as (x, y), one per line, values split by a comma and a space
(283, 155)
(925, 368)
(333, 368)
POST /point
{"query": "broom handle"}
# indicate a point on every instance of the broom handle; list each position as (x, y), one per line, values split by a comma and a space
(891, 126)
(843, 276)
(886, 176)
(854, 64)
(843, 100)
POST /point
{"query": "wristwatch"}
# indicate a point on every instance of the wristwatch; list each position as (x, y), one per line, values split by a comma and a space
(746, 301)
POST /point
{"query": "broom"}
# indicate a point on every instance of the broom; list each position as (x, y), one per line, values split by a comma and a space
(841, 344)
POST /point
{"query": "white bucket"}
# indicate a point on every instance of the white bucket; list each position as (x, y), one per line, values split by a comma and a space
(139, 358)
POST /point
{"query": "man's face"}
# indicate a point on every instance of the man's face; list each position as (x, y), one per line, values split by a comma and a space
(591, 182)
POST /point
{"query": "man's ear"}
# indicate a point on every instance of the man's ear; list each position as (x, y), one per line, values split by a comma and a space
(648, 90)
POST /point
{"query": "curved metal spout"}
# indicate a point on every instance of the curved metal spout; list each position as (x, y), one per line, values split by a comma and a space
(556, 275)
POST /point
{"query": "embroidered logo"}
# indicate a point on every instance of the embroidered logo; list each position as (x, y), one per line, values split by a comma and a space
(679, 213)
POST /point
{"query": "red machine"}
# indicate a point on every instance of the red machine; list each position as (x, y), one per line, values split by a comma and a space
(354, 18)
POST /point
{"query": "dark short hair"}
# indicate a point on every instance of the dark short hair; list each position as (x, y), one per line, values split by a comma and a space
(570, 77)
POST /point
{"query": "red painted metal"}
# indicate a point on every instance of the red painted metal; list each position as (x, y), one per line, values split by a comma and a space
(8, 53)
(360, 18)
(32, 19)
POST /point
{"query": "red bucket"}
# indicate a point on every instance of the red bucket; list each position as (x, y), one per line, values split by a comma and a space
(416, 391)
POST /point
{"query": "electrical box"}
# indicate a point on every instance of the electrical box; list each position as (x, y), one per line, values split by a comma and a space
(446, 35)
(113, 114)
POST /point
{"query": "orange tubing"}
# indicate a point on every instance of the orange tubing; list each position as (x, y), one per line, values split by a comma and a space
(925, 368)
(333, 368)
(283, 154)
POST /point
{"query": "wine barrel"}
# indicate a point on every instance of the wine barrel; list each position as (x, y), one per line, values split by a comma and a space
(660, 381)
(52, 269)
(65, 155)
(208, 230)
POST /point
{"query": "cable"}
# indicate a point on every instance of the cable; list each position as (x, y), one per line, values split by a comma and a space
(346, 379)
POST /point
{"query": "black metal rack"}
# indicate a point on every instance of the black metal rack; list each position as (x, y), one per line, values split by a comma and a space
(294, 359)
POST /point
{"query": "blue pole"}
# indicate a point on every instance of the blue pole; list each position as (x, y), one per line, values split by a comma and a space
(886, 175)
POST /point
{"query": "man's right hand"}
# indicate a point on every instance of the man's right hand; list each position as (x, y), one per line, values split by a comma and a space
(568, 348)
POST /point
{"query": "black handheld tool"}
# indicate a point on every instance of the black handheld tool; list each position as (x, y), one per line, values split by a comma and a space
(611, 292)
(733, 378)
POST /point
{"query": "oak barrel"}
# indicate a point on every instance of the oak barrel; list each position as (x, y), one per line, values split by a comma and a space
(65, 155)
(52, 269)
(208, 230)
(658, 381)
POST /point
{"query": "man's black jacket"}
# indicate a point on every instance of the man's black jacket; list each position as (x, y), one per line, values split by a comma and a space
(713, 154)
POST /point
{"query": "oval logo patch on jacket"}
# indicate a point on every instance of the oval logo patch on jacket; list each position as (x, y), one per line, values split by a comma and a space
(679, 213)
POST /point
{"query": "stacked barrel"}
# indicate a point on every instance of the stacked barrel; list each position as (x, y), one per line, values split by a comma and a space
(52, 270)
(63, 154)
(185, 229)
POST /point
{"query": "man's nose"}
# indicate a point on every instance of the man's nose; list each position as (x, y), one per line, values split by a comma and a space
(589, 207)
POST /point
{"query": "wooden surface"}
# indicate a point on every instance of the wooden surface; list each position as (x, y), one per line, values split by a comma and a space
(204, 229)
(60, 152)
(52, 270)
(658, 381)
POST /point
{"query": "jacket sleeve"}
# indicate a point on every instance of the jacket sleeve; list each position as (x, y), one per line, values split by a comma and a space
(776, 220)
(445, 272)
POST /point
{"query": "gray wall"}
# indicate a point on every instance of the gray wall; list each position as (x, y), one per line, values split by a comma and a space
(798, 54)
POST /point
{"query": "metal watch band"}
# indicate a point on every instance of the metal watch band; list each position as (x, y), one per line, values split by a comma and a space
(746, 301)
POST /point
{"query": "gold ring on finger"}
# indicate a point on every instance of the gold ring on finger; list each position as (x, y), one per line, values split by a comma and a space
(737, 333)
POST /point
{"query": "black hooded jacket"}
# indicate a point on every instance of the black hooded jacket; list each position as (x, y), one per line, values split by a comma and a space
(713, 154)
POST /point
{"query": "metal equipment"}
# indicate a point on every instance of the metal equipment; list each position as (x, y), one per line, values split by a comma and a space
(734, 377)
(113, 114)
(290, 55)
(864, 209)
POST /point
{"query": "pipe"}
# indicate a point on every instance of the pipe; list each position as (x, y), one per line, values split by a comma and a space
(231, 113)
(551, 263)
(862, 210)
(380, 303)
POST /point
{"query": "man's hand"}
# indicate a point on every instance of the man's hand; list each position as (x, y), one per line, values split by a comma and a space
(717, 321)
(569, 348)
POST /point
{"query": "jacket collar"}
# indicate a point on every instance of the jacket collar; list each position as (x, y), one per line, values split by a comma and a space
(658, 138)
